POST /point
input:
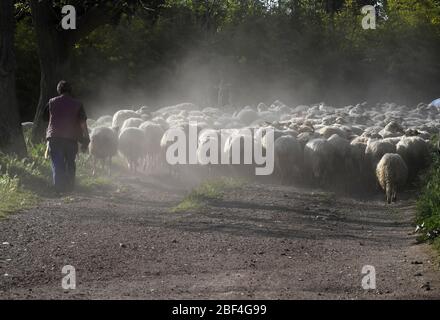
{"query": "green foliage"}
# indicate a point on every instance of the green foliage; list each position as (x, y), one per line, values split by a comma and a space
(24, 181)
(296, 51)
(32, 172)
(28, 69)
(209, 190)
(188, 204)
(88, 183)
(12, 197)
(428, 204)
(213, 189)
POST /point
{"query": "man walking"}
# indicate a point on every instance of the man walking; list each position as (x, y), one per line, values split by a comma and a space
(67, 126)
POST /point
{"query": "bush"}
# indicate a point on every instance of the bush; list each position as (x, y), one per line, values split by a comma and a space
(12, 196)
(31, 173)
(22, 181)
(428, 205)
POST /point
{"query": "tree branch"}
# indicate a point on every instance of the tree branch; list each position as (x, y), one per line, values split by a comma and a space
(92, 19)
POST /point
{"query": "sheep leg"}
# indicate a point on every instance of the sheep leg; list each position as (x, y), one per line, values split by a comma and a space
(153, 162)
(146, 163)
(394, 195)
(150, 163)
(94, 166)
(103, 164)
(388, 192)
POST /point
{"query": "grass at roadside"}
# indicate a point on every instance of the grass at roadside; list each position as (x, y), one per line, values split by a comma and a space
(13, 197)
(428, 205)
(23, 182)
(87, 183)
(209, 190)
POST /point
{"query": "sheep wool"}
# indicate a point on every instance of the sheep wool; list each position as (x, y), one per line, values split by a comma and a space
(392, 174)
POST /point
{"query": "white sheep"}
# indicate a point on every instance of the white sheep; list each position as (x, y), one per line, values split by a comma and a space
(328, 131)
(393, 140)
(319, 157)
(144, 110)
(153, 135)
(372, 132)
(211, 140)
(104, 121)
(243, 140)
(358, 136)
(262, 107)
(122, 115)
(416, 153)
(163, 123)
(376, 149)
(305, 137)
(391, 173)
(247, 116)
(341, 146)
(276, 134)
(132, 123)
(238, 150)
(342, 151)
(392, 129)
(132, 146)
(186, 106)
(103, 146)
(170, 137)
(357, 154)
(289, 158)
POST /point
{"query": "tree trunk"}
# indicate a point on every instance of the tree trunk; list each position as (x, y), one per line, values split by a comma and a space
(55, 46)
(54, 59)
(11, 133)
(51, 74)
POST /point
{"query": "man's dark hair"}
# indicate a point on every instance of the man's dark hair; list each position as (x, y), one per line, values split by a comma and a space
(64, 87)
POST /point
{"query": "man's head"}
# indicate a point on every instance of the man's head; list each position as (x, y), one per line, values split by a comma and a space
(64, 87)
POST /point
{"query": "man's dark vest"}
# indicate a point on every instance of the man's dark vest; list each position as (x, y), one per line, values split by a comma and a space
(64, 119)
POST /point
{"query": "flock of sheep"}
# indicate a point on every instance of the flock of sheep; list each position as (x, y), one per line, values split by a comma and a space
(352, 147)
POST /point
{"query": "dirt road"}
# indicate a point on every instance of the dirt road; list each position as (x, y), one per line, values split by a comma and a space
(261, 241)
